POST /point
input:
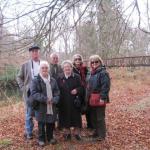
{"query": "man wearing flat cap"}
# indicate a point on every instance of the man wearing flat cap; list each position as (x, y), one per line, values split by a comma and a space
(27, 72)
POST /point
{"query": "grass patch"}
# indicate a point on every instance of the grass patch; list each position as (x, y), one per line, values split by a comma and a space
(5, 143)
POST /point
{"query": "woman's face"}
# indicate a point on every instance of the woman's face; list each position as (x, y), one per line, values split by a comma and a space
(67, 68)
(44, 70)
(95, 63)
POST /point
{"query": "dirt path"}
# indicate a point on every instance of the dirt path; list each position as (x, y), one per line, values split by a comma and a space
(127, 129)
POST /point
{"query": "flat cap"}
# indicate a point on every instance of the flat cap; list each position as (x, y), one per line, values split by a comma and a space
(34, 47)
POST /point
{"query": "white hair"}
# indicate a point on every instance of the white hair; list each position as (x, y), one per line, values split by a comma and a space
(53, 54)
(66, 62)
(44, 63)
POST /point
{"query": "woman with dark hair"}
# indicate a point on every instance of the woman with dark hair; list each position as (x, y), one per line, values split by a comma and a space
(82, 71)
(98, 95)
(79, 68)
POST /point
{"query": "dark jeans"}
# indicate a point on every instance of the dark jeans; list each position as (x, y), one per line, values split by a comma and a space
(45, 128)
(88, 118)
(98, 120)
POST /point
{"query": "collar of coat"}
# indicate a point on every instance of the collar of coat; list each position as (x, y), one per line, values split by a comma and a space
(63, 76)
(99, 69)
(39, 78)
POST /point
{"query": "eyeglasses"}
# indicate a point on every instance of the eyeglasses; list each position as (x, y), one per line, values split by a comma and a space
(94, 62)
(44, 67)
(77, 59)
(55, 58)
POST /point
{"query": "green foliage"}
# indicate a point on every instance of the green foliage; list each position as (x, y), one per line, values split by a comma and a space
(8, 84)
(9, 73)
(5, 143)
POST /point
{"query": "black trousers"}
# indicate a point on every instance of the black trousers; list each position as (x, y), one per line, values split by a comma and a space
(88, 118)
(98, 120)
(45, 130)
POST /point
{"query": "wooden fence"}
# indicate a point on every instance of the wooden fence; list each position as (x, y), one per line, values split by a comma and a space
(128, 61)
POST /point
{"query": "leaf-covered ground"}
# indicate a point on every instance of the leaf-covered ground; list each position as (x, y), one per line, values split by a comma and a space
(127, 117)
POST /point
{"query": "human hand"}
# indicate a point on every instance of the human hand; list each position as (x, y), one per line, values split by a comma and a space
(74, 91)
(102, 101)
(49, 101)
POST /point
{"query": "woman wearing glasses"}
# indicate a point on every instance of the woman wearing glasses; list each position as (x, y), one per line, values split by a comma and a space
(45, 92)
(98, 96)
(82, 71)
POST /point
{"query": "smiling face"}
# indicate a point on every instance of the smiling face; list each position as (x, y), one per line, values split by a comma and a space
(35, 54)
(67, 68)
(95, 63)
(44, 70)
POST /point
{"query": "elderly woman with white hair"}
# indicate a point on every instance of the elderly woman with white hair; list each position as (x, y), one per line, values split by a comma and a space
(98, 95)
(69, 105)
(45, 92)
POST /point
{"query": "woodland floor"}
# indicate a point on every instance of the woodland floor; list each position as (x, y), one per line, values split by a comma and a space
(127, 118)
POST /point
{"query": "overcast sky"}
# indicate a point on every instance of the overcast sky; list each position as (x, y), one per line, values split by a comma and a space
(134, 17)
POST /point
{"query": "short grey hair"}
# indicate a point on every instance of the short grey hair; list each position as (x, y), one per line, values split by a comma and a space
(54, 54)
(66, 62)
(44, 63)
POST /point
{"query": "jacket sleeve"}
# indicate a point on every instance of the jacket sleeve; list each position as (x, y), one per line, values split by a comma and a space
(20, 77)
(80, 87)
(56, 93)
(105, 86)
(36, 92)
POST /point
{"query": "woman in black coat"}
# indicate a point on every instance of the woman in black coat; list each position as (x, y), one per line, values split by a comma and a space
(45, 95)
(99, 83)
(82, 71)
(70, 102)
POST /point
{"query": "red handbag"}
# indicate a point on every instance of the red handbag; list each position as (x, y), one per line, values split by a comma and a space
(95, 100)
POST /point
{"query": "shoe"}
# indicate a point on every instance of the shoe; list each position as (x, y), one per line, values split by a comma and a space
(67, 137)
(41, 143)
(95, 135)
(53, 141)
(98, 139)
(78, 137)
(28, 136)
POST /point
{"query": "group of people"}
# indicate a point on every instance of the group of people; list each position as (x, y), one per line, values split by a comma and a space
(62, 93)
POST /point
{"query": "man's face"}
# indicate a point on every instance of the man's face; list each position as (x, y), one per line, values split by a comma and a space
(54, 59)
(35, 54)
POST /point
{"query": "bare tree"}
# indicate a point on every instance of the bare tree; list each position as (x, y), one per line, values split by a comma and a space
(98, 26)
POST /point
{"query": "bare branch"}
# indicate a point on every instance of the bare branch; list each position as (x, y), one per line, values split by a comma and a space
(139, 15)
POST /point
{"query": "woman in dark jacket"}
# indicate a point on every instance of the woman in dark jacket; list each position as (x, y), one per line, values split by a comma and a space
(99, 82)
(82, 71)
(69, 104)
(79, 68)
(45, 93)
